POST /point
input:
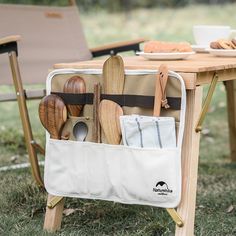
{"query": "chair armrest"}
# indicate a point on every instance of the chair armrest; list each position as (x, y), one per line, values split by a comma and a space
(114, 48)
(10, 39)
(8, 44)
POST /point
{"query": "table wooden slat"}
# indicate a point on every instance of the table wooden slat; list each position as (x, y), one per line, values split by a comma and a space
(200, 62)
(198, 69)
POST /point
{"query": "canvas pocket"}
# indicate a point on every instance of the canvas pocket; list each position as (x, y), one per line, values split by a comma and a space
(113, 172)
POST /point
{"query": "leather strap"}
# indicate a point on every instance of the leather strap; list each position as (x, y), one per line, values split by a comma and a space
(163, 81)
(123, 100)
(160, 90)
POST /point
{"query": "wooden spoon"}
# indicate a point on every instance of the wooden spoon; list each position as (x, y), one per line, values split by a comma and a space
(109, 113)
(113, 75)
(77, 85)
(161, 82)
(53, 115)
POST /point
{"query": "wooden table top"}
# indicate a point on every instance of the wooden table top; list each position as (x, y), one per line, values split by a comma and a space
(196, 70)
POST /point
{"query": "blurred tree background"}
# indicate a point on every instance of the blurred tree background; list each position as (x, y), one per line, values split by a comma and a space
(119, 5)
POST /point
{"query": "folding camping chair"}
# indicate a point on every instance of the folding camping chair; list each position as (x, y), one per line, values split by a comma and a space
(49, 35)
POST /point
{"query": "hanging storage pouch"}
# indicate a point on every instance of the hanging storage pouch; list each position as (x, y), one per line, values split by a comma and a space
(126, 174)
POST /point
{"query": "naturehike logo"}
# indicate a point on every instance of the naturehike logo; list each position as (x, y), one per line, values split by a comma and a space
(162, 188)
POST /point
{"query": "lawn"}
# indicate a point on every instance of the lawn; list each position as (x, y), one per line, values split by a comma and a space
(22, 204)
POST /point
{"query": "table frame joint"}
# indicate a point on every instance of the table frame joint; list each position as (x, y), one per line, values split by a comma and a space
(207, 102)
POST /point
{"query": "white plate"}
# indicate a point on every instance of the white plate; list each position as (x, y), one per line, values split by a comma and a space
(166, 56)
(222, 52)
(199, 48)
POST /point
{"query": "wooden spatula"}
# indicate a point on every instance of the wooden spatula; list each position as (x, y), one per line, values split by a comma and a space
(160, 99)
(113, 75)
(53, 115)
(75, 84)
(109, 113)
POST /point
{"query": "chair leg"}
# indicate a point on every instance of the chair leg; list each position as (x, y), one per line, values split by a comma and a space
(53, 216)
(24, 117)
(190, 153)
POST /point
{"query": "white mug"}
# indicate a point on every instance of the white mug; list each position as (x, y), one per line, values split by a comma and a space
(205, 34)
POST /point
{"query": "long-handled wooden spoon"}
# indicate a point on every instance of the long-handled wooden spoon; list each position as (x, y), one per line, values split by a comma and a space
(53, 115)
(109, 113)
(161, 82)
(77, 85)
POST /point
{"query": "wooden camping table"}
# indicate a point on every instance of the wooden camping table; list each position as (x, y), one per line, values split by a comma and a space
(196, 71)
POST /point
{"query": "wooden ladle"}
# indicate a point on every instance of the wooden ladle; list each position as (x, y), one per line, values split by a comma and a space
(109, 113)
(77, 85)
(53, 115)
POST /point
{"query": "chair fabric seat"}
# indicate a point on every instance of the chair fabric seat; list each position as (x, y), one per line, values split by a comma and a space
(49, 35)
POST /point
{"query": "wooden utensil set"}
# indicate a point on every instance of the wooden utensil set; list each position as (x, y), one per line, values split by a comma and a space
(53, 111)
(106, 113)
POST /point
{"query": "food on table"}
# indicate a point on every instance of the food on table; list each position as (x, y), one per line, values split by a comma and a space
(234, 42)
(223, 44)
(166, 47)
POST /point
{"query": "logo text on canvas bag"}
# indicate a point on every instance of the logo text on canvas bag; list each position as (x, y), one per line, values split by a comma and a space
(162, 188)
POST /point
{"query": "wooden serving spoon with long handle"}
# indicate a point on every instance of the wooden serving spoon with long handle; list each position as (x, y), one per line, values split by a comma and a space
(109, 117)
(109, 112)
(53, 115)
(160, 99)
(76, 85)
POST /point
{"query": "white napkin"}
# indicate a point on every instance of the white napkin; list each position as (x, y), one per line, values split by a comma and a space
(148, 131)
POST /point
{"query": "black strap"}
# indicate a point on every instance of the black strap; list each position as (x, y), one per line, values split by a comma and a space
(8, 47)
(115, 50)
(121, 99)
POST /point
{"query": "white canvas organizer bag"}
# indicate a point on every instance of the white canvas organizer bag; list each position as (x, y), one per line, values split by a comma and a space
(146, 176)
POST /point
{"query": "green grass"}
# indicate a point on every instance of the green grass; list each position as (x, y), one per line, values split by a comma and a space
(156, 23)
(22, 204)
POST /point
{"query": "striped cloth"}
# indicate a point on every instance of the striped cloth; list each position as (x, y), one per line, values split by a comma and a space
(148, 131)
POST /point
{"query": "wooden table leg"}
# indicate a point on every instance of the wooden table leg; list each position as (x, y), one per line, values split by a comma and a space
(190, 153)
(231, 107)
(53, 217)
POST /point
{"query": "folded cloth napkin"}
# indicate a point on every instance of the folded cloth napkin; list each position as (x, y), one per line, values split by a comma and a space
(148, 131)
